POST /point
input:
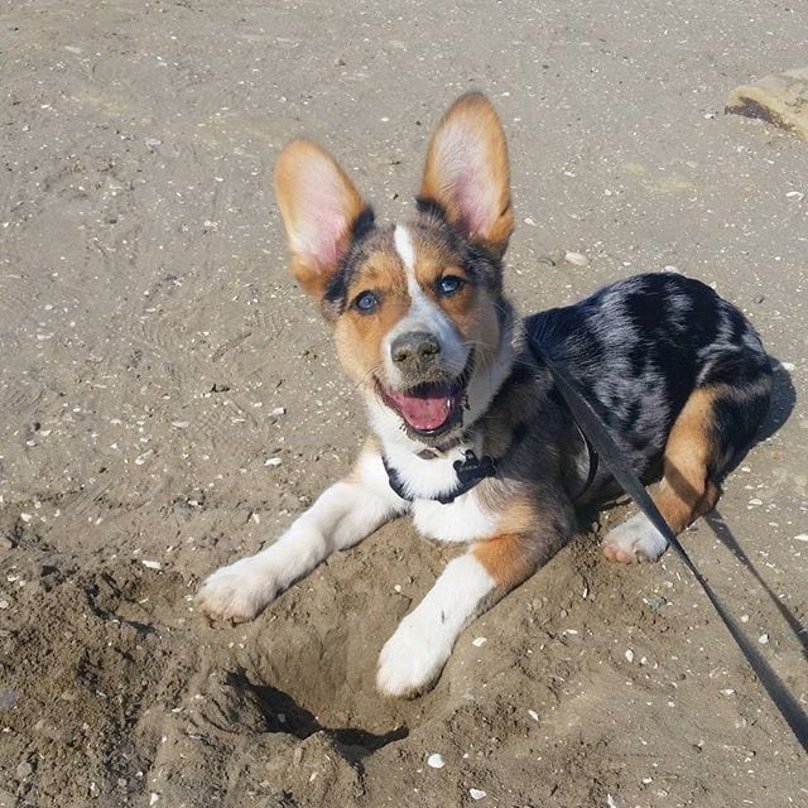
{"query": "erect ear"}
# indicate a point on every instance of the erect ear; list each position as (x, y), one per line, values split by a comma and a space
(467, 172)
(319, 207)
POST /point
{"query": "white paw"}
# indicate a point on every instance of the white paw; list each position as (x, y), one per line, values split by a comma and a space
(237, 592)
(414, 656)
(635, 540)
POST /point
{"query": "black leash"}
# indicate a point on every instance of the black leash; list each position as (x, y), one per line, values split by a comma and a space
(592, 428)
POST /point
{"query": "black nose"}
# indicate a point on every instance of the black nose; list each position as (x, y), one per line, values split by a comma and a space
(417, 349)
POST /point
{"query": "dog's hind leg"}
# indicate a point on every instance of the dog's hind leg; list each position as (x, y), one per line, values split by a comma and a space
(715, 425)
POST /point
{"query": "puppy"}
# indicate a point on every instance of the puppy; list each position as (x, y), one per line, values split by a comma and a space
(468, 433)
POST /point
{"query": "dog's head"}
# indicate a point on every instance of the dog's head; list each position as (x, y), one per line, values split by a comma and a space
(419, 317)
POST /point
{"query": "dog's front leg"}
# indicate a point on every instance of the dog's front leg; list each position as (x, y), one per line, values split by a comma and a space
(414, 656)
(343, 515)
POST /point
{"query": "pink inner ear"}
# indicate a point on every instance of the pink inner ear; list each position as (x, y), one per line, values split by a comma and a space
(466, 178)
(474, 205)
(321, 216)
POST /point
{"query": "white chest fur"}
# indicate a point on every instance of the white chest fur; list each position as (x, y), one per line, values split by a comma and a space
(463, 520)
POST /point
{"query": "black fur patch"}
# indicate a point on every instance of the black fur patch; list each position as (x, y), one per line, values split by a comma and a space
(363, 224)
(429, 207)
(736, 420)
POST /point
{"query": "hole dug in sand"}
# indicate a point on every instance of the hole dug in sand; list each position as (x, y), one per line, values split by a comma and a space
(290, 707)
(315, 673)
(284, 714)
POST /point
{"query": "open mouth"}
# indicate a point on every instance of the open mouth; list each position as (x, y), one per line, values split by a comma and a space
(430, 408)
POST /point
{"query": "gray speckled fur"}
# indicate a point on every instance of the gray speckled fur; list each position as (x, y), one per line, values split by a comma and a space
(639, 347)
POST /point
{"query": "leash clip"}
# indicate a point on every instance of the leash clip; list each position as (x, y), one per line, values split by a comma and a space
(473, 468)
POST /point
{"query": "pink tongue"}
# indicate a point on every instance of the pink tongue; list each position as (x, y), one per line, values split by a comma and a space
(425, 412)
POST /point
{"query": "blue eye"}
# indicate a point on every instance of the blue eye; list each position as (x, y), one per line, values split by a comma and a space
(449, 284)
(366, 302)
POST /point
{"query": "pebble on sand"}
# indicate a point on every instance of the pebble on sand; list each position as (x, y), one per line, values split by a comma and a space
(477, 642)
(23, 770)
(477, 793)
(576, 259)
(435, 761)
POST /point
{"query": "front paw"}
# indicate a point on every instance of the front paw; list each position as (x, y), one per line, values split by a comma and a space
(237, 592)
(412, 658)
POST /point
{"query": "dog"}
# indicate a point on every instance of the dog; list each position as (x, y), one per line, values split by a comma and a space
(468, 433)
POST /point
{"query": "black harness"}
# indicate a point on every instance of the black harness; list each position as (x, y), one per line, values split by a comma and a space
(469, 472)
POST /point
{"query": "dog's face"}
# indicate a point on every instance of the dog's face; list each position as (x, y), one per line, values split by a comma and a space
(418, 314)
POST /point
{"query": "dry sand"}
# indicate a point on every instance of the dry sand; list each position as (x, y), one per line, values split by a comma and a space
(155, 355)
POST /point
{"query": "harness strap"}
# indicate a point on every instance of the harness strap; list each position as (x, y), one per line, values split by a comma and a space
(469, 471)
